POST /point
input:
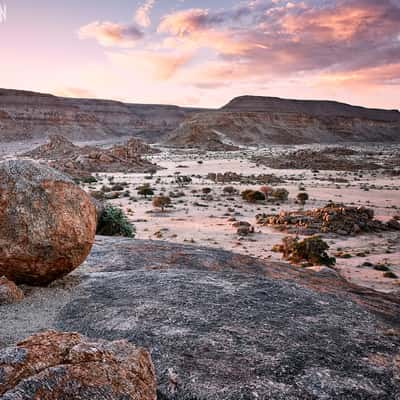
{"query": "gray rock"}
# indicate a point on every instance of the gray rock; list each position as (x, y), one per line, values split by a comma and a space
(227, 325)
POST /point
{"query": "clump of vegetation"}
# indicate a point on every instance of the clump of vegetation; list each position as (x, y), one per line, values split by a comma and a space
(312, 250)
(161, 202)
(145, 190)
(280, 194)
(252, 196)
(113, 222)
(303, 197)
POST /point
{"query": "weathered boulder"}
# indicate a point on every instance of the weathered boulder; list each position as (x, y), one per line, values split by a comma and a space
(9, 292)
(54, 365)
(47, 223)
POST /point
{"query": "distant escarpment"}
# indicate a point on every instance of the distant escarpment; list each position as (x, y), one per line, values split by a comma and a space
(28, 115)
(251, 120)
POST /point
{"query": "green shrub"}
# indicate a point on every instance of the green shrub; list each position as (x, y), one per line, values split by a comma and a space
(113, 222)
(312, 250)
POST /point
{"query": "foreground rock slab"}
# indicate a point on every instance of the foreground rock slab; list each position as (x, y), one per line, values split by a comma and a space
(47, 223)
(223, 326)
(53, 365)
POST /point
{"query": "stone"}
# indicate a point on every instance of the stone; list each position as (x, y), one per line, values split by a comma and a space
(221, 325)
(55, 365)
(47, 223)
(9, 292)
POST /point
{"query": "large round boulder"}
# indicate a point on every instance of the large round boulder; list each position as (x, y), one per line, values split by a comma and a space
(47, 223)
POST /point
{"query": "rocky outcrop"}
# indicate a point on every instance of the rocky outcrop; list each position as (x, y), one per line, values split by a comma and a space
(9, 292)
(251, 120)
(333, 218)
(221, 325)
(56, 365)
(81, 162)
(47, 223)
(28, 115)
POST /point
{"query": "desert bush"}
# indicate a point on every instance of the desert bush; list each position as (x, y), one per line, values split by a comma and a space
(145, 190)
(161, 202)
(113, 222)
(312, 250)
(252, 196)
(302, 197)
(280, 194)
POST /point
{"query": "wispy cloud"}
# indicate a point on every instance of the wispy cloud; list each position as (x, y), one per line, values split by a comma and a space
(142, 17)
(111, 34)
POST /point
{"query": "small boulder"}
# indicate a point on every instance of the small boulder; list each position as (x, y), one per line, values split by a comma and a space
(47, 223)
(55, 365)
(9, 292)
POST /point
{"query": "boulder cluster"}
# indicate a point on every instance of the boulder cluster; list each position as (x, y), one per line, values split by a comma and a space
(333, 218)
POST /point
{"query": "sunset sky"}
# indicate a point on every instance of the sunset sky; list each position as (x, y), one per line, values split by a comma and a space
(203, 53)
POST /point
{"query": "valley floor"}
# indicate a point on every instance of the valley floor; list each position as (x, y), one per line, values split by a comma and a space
(196, 219)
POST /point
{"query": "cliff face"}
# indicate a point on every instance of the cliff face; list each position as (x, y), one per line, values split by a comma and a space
(28, 115)
(258, 128)
(245, 120)
(251, 120)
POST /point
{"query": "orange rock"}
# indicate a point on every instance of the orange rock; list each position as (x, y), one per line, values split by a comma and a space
(54, 365)
(9, 292)
(47, 223)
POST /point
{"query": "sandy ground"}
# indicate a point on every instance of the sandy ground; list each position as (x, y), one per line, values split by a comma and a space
(186, 222)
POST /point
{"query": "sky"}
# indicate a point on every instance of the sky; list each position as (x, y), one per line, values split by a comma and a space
(204, 53)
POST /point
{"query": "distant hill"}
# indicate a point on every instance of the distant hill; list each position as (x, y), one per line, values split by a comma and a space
(29, 115)
(317, 108)
(254, 120)
(246, 120)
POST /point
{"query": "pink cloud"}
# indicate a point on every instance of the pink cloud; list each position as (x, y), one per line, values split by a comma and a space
(142, 13)
(110, 34)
